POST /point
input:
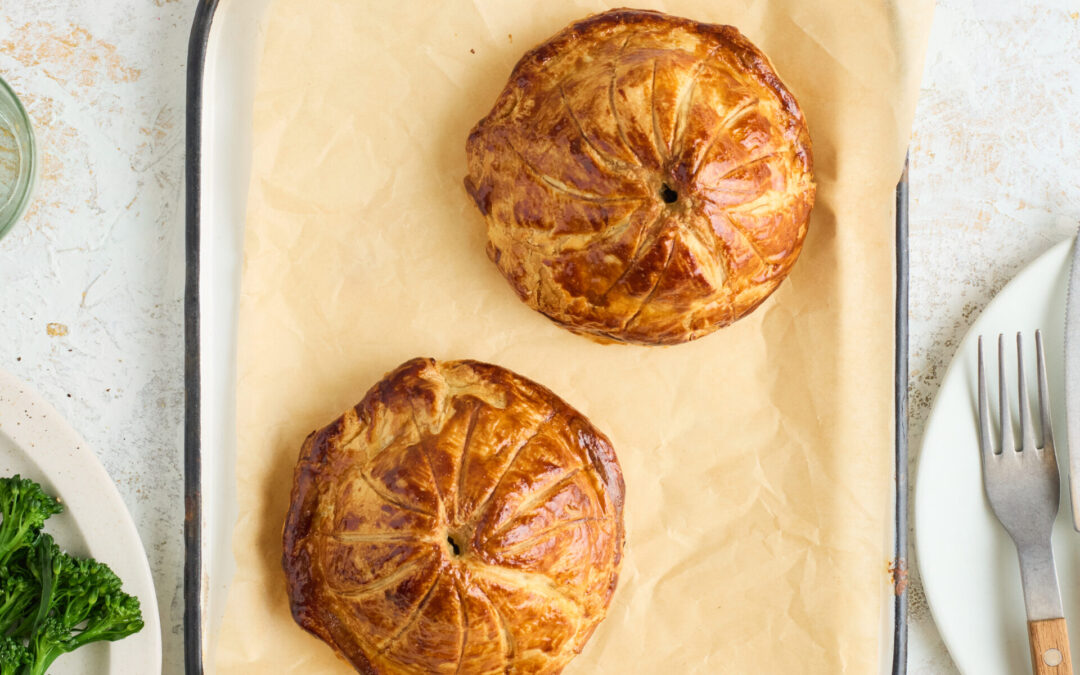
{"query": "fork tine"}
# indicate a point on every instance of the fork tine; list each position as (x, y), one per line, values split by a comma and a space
(985, 444)
(1044, 398)
(1027, 432)
(1008, 442)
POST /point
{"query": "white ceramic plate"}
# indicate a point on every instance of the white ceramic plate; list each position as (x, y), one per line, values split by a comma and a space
(37, 443)
(967, 561)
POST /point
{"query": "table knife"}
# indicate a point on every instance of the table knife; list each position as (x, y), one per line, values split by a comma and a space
(1072, 382)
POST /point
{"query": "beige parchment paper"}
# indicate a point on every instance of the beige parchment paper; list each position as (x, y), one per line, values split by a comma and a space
(757, 460)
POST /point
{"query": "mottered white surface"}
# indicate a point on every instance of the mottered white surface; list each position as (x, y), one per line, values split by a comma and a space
(91, 283)
(995, 182)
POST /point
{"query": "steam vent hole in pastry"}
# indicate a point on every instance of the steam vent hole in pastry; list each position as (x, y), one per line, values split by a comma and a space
(667, 194)
(644, 178)
(460, 518)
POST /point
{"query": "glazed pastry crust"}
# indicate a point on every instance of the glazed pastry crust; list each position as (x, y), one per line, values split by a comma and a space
(459, 519)
(644, 178)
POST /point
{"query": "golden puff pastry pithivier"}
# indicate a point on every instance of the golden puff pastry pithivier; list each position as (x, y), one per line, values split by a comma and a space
(644, 178)
(459, 519)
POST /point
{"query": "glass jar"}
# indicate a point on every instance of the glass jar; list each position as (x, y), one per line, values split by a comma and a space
(18, 159)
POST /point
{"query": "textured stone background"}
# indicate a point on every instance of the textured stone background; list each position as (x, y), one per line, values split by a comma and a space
(995, 181)
(91, 283)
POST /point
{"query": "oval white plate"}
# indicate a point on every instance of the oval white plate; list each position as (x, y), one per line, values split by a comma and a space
(37, 443)
(967, 561)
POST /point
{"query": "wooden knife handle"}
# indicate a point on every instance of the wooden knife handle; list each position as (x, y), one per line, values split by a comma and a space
(1049, 640)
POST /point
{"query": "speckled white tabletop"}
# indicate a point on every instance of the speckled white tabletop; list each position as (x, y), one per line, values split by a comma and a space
(91, 283)
(995, 181)
(92, 280)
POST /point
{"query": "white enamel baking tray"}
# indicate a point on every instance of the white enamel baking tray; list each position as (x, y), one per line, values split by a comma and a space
(226, 41)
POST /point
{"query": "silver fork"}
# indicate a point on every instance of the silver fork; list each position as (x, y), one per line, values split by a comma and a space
(1023, 487)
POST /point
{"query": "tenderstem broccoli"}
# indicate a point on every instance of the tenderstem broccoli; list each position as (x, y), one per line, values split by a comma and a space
(19, 593)
(24, 507)
(14, 657)
(81, 602)
(51, 603)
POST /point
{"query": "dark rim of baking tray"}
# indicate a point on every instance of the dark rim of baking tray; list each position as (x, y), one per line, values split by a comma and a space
(193, 662)
(196, 62)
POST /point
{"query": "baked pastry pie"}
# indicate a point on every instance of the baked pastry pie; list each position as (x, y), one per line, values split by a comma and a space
(645, 178)
(459, 519)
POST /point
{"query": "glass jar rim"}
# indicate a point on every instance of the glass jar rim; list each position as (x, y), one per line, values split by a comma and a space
(15, 205)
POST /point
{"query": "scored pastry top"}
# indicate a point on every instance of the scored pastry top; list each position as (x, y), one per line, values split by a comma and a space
(644, 178)
(461, 518)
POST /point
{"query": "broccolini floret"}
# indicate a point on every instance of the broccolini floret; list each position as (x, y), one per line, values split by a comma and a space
(113, 616)
(14, 657)
(19, 598)
(24, 507)
(50, 602)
